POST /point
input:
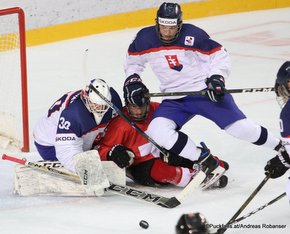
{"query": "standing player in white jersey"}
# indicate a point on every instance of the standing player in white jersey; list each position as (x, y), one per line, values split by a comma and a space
(278, 165)
(75, 123)
(184, 58)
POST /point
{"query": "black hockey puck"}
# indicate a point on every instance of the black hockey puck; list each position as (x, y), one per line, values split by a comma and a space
(144, 224)
(223, 181)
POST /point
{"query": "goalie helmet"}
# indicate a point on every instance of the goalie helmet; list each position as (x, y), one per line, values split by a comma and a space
(192, 223)
(93, 102)
(282, 88)
(169, 14)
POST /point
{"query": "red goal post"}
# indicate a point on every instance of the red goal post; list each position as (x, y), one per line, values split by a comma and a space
(13, 78)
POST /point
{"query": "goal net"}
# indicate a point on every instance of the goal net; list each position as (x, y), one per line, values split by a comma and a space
(14, 127)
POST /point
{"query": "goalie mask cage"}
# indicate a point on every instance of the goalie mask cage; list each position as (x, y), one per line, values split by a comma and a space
(13, 79)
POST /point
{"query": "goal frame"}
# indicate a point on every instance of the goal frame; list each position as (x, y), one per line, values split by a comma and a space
(23, 66)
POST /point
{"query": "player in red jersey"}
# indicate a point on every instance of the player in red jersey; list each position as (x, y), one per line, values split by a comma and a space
(129, 149)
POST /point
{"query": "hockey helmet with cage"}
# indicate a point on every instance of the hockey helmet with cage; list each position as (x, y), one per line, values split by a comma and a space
(169, 14)
(281, 84)
(137, 100)
(192, 223)
(93, 102)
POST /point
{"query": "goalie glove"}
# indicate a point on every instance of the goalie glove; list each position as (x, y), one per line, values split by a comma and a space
(121, 155)
(89, 168)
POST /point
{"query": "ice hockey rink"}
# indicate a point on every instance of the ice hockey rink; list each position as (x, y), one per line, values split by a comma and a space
(258, 42)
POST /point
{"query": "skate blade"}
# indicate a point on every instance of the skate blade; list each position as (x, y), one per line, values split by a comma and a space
(217, 173)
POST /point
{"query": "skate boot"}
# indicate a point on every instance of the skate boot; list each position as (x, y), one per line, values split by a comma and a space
(220, 183)
(212, 166)
(222, 180)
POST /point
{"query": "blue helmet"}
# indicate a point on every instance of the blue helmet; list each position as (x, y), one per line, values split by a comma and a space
(283, 75)
(169, 14)
(281, 83)
(136, 98)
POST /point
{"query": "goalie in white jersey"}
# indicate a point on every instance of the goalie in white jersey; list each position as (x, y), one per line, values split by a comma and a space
(184, 58)
(75, 123)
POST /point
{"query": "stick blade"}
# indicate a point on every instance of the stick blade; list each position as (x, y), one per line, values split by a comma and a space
(171, 203)
(192, 186)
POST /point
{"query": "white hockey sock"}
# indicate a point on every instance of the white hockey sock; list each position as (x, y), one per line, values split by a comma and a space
(247, 130)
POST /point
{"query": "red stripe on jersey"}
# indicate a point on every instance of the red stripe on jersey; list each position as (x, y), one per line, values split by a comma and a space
(162, 48)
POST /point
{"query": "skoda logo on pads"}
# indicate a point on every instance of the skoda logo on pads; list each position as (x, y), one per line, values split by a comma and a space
(167, 22)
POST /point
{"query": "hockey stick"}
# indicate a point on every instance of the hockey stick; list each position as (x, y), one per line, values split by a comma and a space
(255, 211)
(195, 181)
(203, 92)
(133, 125)
(260, 208)
(139, 130)
(250, 198)
(119, 189)
(84, 66)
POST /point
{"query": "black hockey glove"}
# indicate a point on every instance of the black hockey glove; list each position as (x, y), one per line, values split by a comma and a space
(121, 155)
(135, 91)
(176, 160)
(278, 165)
(216, 88)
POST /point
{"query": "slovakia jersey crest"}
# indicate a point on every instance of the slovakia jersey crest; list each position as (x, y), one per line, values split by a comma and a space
(173, 62)
(189, 40)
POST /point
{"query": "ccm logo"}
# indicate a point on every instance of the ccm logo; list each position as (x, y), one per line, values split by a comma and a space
(68, 138)
(85, 177)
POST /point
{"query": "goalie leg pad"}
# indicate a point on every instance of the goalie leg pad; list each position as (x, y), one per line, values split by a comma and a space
(28, 182)
(115, 174)
(89, 168)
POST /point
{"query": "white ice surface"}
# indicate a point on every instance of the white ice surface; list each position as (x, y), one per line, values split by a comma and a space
(259, 42)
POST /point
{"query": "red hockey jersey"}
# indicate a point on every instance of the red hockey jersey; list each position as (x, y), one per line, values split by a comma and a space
(120, 132)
